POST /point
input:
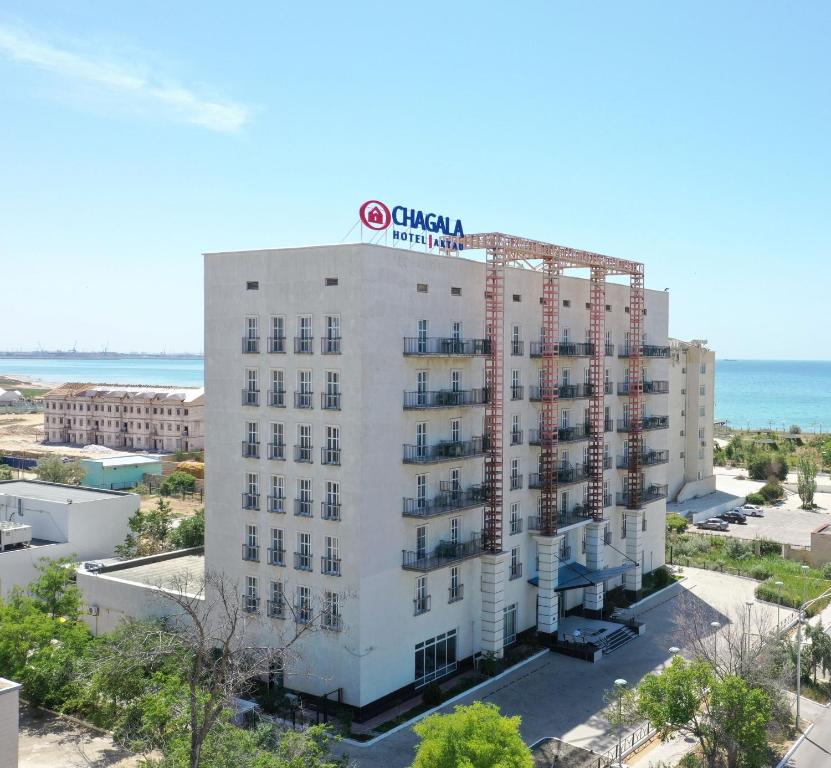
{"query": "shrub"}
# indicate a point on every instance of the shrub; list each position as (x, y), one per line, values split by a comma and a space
(755, 498)
(772, 490)
(826, 571)
(142, 489)
(677, 523)
(768, 547)
(737, 550)
(768, 465)
(432, 695)
(760, 572)
(661, 577)
(794, 429)
(177, 482)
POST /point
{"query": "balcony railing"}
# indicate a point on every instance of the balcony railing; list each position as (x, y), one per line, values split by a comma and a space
(446, 450)
(250, 396)
(331, 621)
(277, 398)
(516, 437)
(330, 566)
(650, 493)
(250, 344)
(330, 401)
(250, 500)
(330, 456)
(445, 398)
(456, 593)
(517, 347)
(565, 552)
(445, 553)
(277, 451)
(563, 392)
(276, 556)
(648, 422)
(516, 482)
(303, 345)
(276, 609)
(517, 392)
(251, 552)
(648, 459)
(329, 511)
(647, 350)
(251, 604)
(449, 500)
(303, 507)
(563, 348)
(303, 400)
(303, 453)
(421, 605)
(276, 344)
(446, 346)
(330, 345)
(277, 505)
(250, 449)
(610, 350)
(514, 571)
(575, 473)
(303, 561)
(652, 387)
(564, 434)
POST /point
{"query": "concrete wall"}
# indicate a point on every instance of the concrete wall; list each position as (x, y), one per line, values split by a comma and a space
(696, 488)
(9, 721)
(99, 475)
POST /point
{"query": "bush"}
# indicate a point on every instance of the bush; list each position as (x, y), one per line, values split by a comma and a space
(755, 498)
(190, 532)
(432, 695)
(661, 577)
(826, 571)
(768, 547)
(737, 550)
(760, 572)
(176, 483)
(677, 523)
(768, 465)
(772, 491)
(795, 429)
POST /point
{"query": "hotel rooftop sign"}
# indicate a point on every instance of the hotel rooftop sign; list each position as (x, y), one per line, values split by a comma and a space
(410, 225)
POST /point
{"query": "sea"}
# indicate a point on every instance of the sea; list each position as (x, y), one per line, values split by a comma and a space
(750, 394)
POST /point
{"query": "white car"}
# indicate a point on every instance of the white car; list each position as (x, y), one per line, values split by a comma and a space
(751, 510)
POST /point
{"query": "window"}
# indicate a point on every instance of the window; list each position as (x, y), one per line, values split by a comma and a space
(455, 590)
(251, 601)
(277, 446)
(252, 285)
(422, 337)
(277, 340)
(516, 388)
(251, 444)
(421, 601)
(331, 618)
(303, 556)
(303, 341)
(421, 287)
(517, 297)
(457, 331)
(623, 526)
(455, 430)
(701, 411)
(516, 518)
(421, 440)
(421, 541)
(435, 658)
(251, 340)
(329, 281)
(331, 557)
(509, 624)
(421, 491)
(303, 607)
(516, 477)
(455, 381)
(515, 570)
(277, 551)
(277, 395)
(566, 302)
(303, 503)
(331, 506)
(303, 449)
(455, 291)
(703, 368)
(276, 606)
(455, 529)
(701, 390)
(331, 342)
(251, 498)
(251, 395)
(331, 397)
(276, 501)
(516, 343)
(331, 451)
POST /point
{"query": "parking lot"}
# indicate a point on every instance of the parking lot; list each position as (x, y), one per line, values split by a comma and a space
(783, 524)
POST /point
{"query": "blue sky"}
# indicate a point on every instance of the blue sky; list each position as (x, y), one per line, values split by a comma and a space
(690, 136)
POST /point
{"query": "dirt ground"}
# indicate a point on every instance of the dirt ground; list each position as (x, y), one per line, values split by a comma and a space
(22, 434)
(180, 507)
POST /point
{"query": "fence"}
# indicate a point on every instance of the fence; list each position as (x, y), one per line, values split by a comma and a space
(18, 462)
(630, 743)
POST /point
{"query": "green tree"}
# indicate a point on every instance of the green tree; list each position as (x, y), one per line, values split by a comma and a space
(819, 656)
(766, 465)
(738, 716)
(475, 736)
(54, 591)
(190, 532)
(53, 469)
(176, 483)
(807, 467)
(5, 472)
(149, 532)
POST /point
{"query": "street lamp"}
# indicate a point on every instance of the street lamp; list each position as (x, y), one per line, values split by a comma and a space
(620, 685)
(778, 585)
(716, 625)
(674, 650)
(800, 612)
(746, 637)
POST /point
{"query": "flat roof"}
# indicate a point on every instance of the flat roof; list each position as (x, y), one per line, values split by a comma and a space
(167, 573)
(36, 489)
(124, 461)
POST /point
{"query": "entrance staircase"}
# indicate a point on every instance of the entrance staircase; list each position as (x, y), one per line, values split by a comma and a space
(617, 639)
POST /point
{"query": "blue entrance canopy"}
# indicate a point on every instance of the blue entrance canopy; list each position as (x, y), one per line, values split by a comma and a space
(577, 576)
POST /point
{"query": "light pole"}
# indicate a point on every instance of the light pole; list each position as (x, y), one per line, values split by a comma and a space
(778, 585)
(804, 570)
(746, 637)
(716, 626)
(620, 684)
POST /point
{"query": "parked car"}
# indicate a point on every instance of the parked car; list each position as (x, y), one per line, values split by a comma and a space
(734, 517)
(751, 510)
(713, 524)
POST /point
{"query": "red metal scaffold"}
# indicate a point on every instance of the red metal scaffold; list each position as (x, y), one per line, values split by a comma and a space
(503, 250)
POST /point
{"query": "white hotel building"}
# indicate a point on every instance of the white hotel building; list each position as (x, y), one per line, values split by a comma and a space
(345, 452)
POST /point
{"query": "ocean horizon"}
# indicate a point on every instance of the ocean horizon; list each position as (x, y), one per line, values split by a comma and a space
(754, 394)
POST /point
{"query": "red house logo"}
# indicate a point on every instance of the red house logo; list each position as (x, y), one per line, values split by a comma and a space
(375, 215)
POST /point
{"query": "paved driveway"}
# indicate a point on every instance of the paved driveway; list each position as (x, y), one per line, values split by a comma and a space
(560, 696)
(783, 524)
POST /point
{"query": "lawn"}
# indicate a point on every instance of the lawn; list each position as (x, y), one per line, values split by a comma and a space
(758, 560)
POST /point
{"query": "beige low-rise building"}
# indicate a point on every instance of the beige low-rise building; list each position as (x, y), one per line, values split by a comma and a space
(125, 417)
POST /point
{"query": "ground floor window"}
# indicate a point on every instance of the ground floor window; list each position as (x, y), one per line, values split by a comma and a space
(509, 624)
(435, 657)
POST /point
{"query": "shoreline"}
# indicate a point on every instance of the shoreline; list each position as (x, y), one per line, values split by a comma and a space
(14, 381)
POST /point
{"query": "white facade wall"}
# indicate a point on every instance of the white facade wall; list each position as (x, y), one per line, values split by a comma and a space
(377, 301)
(9, 721)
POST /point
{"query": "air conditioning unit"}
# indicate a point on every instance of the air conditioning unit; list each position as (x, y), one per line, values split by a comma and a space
(92, 610)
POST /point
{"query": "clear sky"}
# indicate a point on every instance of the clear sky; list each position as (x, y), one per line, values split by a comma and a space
(692, 136)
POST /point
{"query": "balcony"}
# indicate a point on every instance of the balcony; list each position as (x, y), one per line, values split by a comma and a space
(251, 553)
(330, 566)
(449, 500)
(303, 561)
(277, 451)
(563, 349)
(421, 605)
(651, 387)
(647, 350)
(276, 556)
(330, 456)
(650, 493)
(250, 396)
(565, 553)
(250, 344)
(331, 622)
(330, 401)
(579, 513)
(276, 609)
(575, 473)
(454, 594)
(303, 345)
(277, 505)
(564, 435)
(446, 450)
(610, 350)
(302, 507)
(648, 459)
(445, 398)
(250, 500)
(251, 604)
(517, 392)
(303, 454)
(250, 450)
(303, 400)
(330, 345)
(516, 482)
(445, 553)
(277, 398)
(276, 344)
(647, 423)
(516, 437)
(514, 571)
(517, 348)
(563, 392)
(329, 511)
(446, 346)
